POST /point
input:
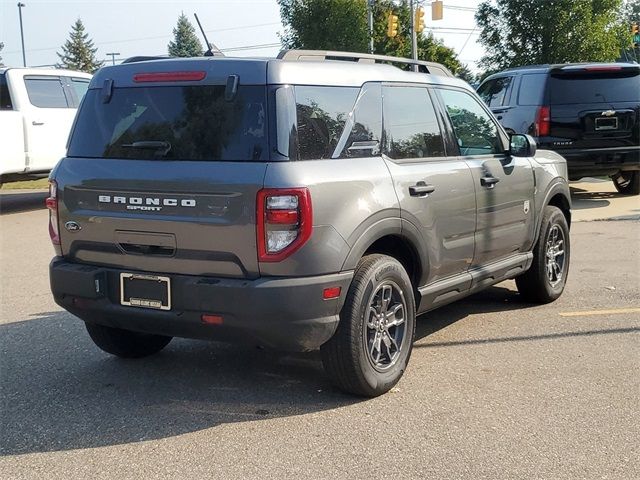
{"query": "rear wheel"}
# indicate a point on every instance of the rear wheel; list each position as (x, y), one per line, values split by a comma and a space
(371, 347)
(547, 276)
(628, 182)
(125, 343)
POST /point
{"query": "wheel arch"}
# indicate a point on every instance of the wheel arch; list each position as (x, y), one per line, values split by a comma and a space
(558, 195)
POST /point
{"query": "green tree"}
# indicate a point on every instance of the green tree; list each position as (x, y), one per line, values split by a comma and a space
(342, 25)
(78, 52)
(527, 32)
(185, 43)
(629, 14)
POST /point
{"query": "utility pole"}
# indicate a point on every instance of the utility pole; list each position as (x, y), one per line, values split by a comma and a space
(113, 56)
(370, 15)
(414, 35)
(24, 57)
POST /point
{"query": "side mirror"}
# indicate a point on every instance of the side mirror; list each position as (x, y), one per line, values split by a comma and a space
(522, 145)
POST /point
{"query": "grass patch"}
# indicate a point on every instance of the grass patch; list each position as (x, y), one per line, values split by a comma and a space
(27, 184)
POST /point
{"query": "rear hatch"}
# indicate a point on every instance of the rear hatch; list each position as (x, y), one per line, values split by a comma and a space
(163, 168)
(594, 106)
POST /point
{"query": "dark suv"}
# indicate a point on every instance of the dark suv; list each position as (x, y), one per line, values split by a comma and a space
(589, 113)
(298, 203)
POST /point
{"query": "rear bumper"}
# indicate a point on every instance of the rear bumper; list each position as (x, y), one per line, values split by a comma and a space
(600, 161)
(283, 313)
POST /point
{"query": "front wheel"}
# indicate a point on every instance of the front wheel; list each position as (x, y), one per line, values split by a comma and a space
(545, 280)
(125, 343)
(628, 182)
(371, 347)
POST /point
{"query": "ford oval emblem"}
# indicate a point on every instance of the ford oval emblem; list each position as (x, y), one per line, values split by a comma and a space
(72, 226)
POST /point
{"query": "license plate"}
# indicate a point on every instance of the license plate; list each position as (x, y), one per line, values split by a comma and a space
(609, 123)
(145, 291)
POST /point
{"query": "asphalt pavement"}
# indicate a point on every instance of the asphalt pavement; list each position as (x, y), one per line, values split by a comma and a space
(496, 388)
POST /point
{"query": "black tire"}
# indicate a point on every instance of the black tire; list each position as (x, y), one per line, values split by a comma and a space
(125, 343)
(628, 182)
(536, 285)
(348, 356)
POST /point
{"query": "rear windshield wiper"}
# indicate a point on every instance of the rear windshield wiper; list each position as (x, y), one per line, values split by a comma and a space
(161, 148)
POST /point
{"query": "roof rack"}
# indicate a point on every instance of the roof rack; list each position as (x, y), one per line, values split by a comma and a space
(323, 55)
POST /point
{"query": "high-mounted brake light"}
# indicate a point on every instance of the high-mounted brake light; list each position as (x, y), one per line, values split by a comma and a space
(284, 222)
(543, 121)
(52, 204)
(169, 77)
(602, 69)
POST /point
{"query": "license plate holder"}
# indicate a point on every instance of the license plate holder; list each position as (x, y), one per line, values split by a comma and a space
(606, 123)
(145, 291)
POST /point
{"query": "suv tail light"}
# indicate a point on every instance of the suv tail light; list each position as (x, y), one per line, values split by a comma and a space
(284, 222)
(543, 121)
(52, 204)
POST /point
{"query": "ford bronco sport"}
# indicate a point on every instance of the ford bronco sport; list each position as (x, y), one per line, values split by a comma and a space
(319, 200)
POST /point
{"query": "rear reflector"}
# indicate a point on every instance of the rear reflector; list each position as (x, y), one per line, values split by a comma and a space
(169, 77)
(211, 319)
(331, 292)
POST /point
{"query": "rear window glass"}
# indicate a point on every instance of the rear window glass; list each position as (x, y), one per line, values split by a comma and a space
(176, 123)
(46, 92)
(531, 88)
(593, 88)
(322, 113)
(5, 97)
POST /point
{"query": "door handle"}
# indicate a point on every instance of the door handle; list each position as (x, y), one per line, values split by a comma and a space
(421, 189)
(36, 123)
(489, 182)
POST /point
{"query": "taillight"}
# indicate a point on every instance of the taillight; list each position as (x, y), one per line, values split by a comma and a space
(52, 204)
(284, 222)
(543, 121)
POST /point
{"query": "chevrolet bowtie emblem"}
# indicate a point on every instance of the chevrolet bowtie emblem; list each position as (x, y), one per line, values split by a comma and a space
(608, 113)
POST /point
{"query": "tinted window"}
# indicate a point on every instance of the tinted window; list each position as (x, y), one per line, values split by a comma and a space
(494, 91)
(321, 116)
(410, 125)
(45, 92)
(593, 88)
(475, 131)
(80, 86)
(531, 88)
(183, 123)
(363, 131)
(5, 97)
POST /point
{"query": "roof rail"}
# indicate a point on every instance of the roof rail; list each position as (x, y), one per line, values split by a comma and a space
(322, 55)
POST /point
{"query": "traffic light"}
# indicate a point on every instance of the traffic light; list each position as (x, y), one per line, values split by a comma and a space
(436, 10)
(418, 24)
(392, 25)
(635, 31)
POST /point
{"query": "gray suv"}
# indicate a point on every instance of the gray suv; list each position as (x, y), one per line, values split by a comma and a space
(319, 200)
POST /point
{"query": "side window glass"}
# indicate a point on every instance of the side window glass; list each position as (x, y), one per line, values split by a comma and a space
(476, 132)
(5, 96)
(531, 87)
(45, 92)
(362, 134)
(411, 128)
(493, 92)
(80, 87)
(321, 117)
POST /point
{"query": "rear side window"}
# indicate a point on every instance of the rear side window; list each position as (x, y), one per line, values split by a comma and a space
(411, 128)
(531, 89)
(5, 96)
(596, 87)
(494, 92)
(321, 117)
(476, 132)
(45, 92)
(80, 86)
(177, 123)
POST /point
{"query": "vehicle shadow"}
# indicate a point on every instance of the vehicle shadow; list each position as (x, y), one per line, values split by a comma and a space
(21, 202)
(583, 199)
(59, 392)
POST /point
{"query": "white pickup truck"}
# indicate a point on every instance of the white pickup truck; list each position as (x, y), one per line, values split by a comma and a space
(37, 108)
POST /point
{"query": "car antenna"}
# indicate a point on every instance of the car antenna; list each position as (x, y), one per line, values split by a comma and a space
(210, 46)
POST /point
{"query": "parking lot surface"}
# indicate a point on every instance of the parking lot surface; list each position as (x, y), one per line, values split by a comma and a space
(496, 388)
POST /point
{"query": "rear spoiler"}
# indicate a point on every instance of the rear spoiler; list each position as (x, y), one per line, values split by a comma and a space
(595, 69)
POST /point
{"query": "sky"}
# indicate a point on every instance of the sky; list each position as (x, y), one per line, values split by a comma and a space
(144, 27)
